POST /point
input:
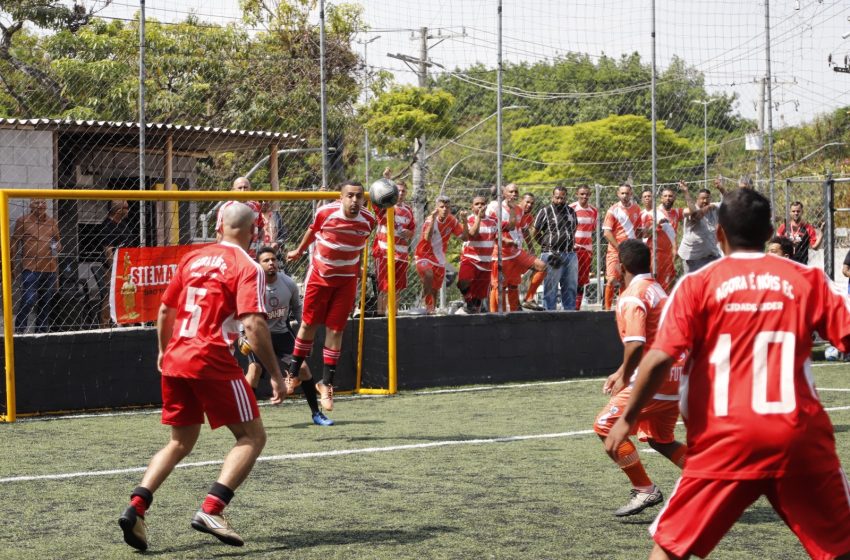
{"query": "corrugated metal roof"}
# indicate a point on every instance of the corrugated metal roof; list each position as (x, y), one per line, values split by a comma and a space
(207, 138)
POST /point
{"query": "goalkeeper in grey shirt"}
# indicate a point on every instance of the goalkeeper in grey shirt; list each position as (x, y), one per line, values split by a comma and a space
(283, 304)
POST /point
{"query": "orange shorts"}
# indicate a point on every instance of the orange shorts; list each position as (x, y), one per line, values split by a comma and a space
(816, 507)
(513, 269)
(657, 420)
(439, 272)
(612, 266)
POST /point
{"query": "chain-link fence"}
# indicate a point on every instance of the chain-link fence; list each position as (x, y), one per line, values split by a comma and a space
(582, 93)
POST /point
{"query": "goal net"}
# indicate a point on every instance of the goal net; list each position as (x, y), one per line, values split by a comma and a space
(83, 274)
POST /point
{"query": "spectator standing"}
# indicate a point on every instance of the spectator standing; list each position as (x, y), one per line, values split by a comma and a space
(473, 279)
(669, 219)
(242, 184)
(405, 227)
(555, 227)
(431, 260)
(801, 233)
(515, 261)
(214, 288)
(699, 241)
(587, 217)
(341, 230)
(622, 221)
(36, 240)
(274, 230)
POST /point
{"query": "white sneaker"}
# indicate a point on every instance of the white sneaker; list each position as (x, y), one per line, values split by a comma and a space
(461, 311)
(639, 501)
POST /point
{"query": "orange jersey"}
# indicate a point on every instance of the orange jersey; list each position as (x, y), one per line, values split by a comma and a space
(623, 222)
(638, 314)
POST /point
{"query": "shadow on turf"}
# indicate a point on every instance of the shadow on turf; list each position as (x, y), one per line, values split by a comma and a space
(839, 428)
(309, 539)
(304, 425)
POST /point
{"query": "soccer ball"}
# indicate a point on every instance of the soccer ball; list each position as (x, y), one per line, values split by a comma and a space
(383, 193)
(831, 354)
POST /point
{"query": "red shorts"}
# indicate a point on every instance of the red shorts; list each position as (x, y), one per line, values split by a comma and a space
(612, 266)
(585, 258)
(657, 420)
(478, 280)
(513, 269)
(700, 511)
(400, 274)
(185, 400)
(328, 305)
(439, 272)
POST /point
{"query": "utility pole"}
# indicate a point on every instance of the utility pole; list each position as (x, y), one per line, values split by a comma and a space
(418, 168)
(768, 78)
(760, 112)
(367, 149)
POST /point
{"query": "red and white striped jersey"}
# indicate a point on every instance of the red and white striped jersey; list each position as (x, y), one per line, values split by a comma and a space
(339, 243)
(478, 250)
(623, 222)
(212, 287)
(509, 251)
(404, 221)
(587, 218)
(433, 249)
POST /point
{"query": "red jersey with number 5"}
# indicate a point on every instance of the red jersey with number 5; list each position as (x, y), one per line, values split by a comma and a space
(749, 400)
(212, 288)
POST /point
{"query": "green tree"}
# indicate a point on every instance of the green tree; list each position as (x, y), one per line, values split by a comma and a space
(402, 114)
(608, 150)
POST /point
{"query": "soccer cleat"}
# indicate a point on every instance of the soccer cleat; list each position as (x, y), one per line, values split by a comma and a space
(531, 305)
(133, 526)
(326, 395)
(217, 526)
(290, 382)
(320, 419)
(639, 501)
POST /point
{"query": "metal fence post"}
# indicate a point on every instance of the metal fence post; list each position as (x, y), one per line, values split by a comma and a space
(829, 224)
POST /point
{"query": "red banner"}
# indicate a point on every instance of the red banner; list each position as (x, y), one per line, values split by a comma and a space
(139, 278)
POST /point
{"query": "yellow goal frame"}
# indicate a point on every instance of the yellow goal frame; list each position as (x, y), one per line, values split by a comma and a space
(170, 196)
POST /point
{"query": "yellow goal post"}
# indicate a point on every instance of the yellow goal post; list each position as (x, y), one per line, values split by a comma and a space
(172, 198)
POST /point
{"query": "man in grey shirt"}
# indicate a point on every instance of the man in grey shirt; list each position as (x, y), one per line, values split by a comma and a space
(283, 303)
(699, 242)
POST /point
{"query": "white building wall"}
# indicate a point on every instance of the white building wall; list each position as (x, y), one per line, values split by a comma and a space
(26, 162)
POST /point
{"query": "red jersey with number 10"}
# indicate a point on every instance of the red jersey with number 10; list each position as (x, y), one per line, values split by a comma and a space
(212, 288)
(749, 401)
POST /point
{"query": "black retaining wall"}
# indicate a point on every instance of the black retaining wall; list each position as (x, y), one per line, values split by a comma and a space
(115, 369)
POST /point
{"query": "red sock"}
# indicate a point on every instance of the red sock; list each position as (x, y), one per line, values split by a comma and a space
(139, 503)
(213, 505)
(536, 279)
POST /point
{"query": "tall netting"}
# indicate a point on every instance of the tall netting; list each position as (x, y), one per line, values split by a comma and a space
(236, 89)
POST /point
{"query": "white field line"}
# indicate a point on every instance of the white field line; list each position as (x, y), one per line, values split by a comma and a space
(311, 455)
(320, 454)
(289, 402)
